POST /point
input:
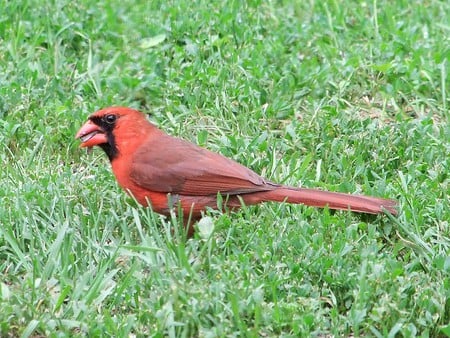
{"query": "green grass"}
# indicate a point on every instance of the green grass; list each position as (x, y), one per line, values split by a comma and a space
(343, 95)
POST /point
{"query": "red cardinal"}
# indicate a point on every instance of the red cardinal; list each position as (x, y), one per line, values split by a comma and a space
(162, 171)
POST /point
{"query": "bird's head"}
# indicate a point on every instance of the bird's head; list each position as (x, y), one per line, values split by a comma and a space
(113, 128)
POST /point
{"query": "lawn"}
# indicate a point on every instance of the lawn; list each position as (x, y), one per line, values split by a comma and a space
(347, 96)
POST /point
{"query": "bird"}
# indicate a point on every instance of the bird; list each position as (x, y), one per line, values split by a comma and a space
(166, 172)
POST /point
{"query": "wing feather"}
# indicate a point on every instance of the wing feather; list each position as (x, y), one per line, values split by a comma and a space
(172, 165)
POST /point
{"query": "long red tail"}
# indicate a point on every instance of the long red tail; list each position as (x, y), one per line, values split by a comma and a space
(334, 200)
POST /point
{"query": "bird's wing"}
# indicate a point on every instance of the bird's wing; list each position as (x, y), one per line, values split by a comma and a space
(172, 165)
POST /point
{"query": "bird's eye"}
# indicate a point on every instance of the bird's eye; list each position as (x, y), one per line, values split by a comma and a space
(110, 118)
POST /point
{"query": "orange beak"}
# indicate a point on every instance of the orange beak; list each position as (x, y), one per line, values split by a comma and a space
(91, 135)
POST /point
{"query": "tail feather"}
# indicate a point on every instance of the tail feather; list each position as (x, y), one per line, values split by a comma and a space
(332, 200)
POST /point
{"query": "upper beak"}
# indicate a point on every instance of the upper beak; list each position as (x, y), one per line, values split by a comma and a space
(91, 135)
